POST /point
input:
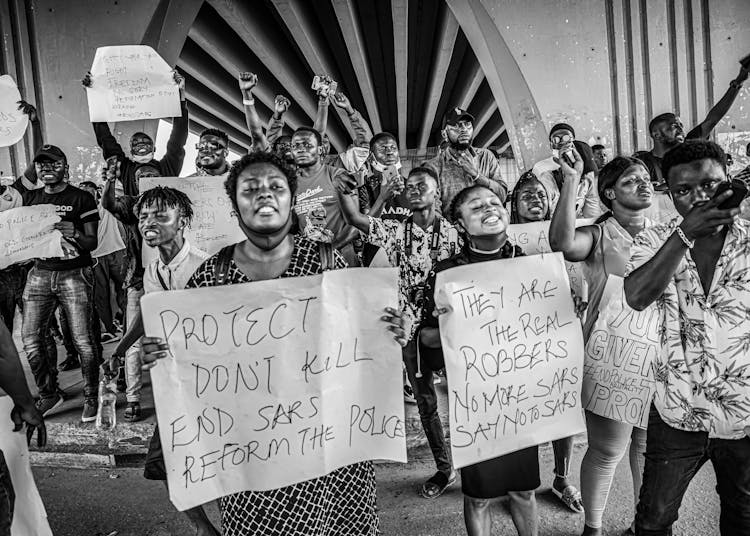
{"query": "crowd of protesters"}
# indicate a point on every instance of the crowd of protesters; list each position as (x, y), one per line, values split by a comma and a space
(658, 222)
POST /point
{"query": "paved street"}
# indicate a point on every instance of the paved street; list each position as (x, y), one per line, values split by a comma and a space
(100, 502)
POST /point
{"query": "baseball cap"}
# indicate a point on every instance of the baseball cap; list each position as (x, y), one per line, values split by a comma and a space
(454, 115)
(49, 152)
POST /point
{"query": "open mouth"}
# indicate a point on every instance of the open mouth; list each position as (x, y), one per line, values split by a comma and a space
(150, 233)
(266, 210)
(491, 219)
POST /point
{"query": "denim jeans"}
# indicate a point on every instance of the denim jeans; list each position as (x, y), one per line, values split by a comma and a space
(73, 291)
(426, 397)
(673, 457)
(109, 269)
(133, 361)
(7, 498)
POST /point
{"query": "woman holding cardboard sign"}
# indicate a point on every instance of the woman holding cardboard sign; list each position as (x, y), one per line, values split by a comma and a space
(479, 214)
(625, 189)
(530, 202)
(261, 188)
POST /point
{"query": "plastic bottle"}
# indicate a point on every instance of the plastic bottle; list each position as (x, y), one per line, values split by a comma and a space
(106, 418)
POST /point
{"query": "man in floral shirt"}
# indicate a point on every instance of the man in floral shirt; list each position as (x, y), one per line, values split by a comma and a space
(697, 272)
(414, 246)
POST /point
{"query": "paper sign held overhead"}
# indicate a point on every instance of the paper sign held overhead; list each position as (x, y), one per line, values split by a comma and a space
(13, 122)
(214, 224)
(618, 381)
(130, 83)
(513, 356)
(27, 233)
(275, 382)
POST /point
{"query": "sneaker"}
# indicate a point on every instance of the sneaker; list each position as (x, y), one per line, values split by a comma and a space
(109, 337)
(409, 395)
(89, 410)
(48, 404)
(71, 363)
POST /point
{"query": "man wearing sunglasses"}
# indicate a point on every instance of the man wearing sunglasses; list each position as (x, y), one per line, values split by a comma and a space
(67, 282)
(562, 142)
(460, 165)
(213, 149)
(142, 145)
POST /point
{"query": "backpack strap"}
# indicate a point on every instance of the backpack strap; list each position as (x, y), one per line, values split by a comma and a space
(327, 260)
(221, 268)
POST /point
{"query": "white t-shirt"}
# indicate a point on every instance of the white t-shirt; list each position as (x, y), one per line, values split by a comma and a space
(10, 198)
(177, 273)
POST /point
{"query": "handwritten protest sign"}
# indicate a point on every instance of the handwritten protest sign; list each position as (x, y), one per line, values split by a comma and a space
(618, 381)
(27, 509)
(129, 83)
(533, 239)
(513, 354)
(27, 233)
(13, 122)
(275, 382)
(214, 224)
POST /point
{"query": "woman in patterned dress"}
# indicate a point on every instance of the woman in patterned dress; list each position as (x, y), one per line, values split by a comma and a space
(261, 188)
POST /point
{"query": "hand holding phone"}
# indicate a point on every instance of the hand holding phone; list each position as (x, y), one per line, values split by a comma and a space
(739, 192)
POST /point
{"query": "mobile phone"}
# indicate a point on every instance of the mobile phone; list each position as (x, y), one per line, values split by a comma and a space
(568, 157)
(739, 192)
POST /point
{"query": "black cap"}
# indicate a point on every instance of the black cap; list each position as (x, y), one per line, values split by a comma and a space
(562, 126)
(50, 152)
(454, 115)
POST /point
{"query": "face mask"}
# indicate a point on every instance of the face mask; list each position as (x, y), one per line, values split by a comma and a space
(143, 159)
(377, 166)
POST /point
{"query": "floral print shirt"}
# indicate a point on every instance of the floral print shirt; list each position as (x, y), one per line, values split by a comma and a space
(703, 369)
(414, 265)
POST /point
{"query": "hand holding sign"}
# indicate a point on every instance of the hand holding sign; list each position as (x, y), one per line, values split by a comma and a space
(13, 122)
(28, 233)
(132, 82)
(513, 354)
(296, 375)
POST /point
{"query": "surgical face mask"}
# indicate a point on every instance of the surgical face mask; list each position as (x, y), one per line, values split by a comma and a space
(377, 166)
(143, 159)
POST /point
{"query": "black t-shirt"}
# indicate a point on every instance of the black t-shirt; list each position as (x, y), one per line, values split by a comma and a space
(653, 162)
(73, 205)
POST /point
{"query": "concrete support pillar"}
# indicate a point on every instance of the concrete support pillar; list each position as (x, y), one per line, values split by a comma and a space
(514, 98)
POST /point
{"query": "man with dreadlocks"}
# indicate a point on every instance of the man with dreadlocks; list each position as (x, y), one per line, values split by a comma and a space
(163, 214)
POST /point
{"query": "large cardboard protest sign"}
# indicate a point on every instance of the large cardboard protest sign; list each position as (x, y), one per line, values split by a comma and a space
(214, 224)
(27, 509)
(275, 382)
(129, 83)
(513, 355)
(13, 122)
(27, 233)
(533, 239)
(618, 381)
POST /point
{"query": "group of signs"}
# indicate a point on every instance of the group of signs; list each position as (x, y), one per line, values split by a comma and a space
(277, 382)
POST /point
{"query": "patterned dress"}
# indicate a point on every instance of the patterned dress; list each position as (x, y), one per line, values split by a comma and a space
(341, 503)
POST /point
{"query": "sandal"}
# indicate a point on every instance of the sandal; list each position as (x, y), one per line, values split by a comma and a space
(436, 485)
(132, 412)
(571, 498)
